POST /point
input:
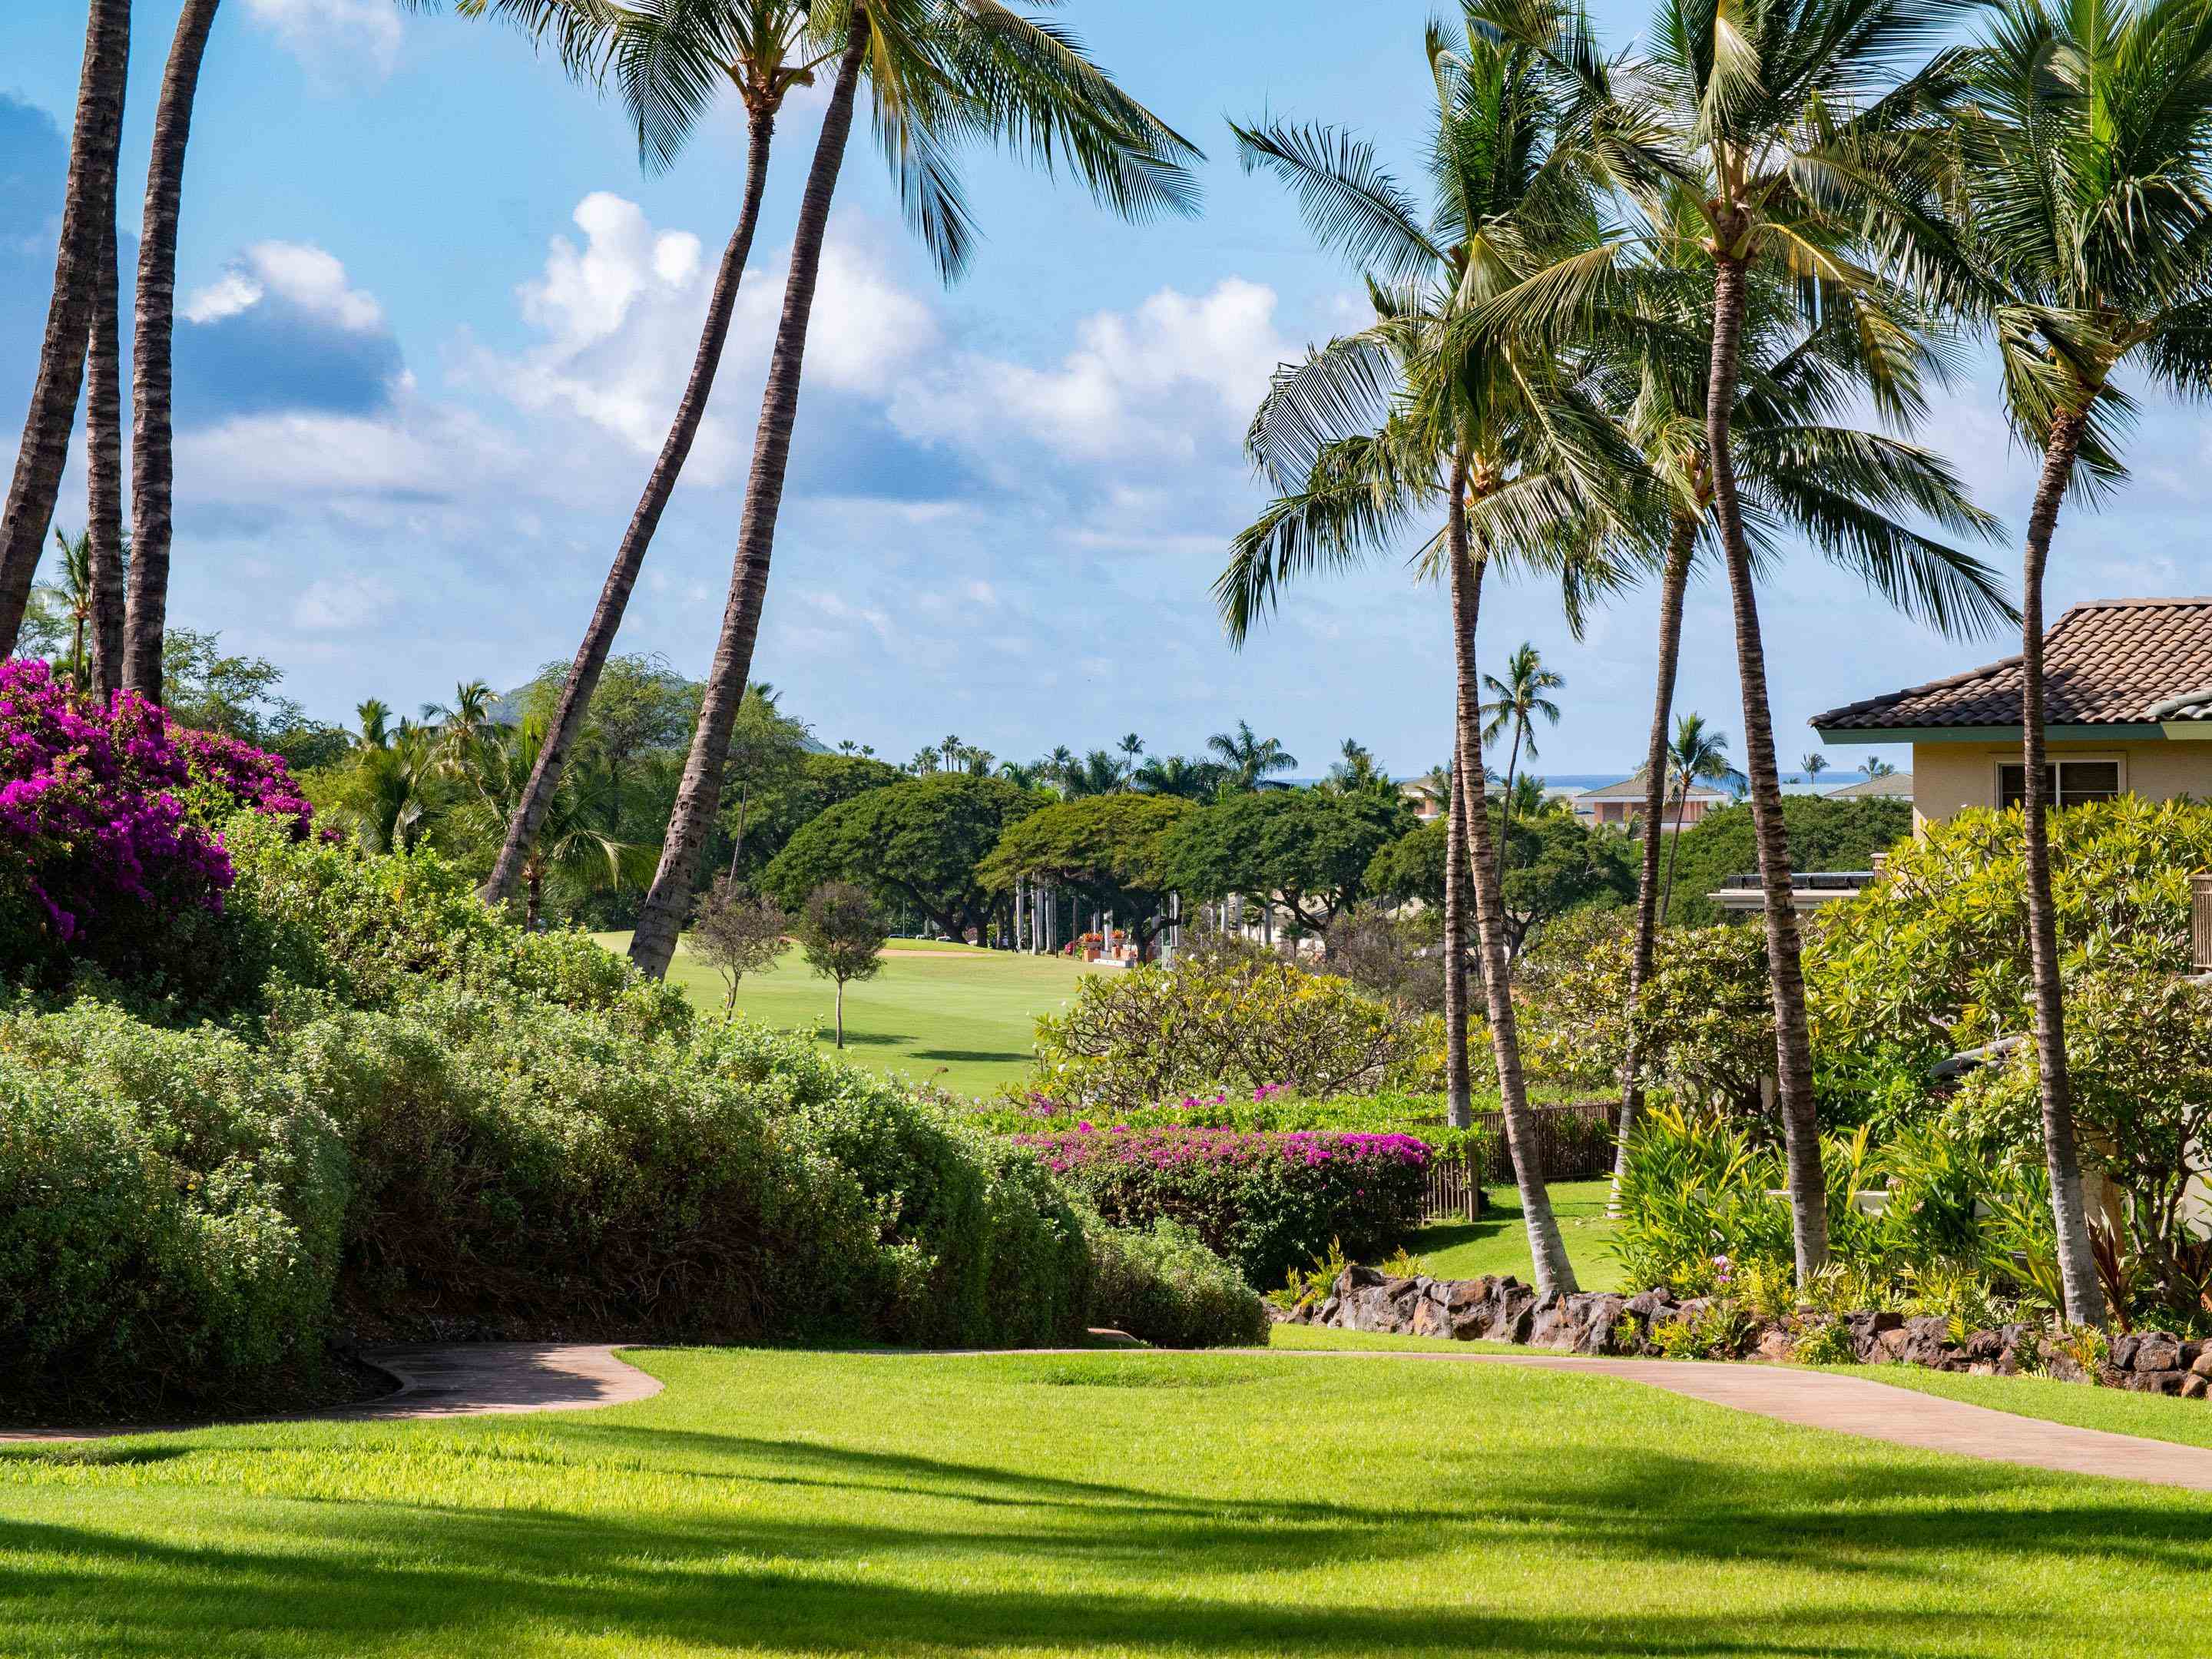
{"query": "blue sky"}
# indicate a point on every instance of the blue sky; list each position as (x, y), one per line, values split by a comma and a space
(437, 317)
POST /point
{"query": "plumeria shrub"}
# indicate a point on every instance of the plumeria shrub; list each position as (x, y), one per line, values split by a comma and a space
(1161, 1285)
(1229, 1021)
(1267, 1201)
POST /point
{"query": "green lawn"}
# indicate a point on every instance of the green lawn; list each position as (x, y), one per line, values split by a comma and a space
(1498, 1243)
(778, 1503)
(953, 1015)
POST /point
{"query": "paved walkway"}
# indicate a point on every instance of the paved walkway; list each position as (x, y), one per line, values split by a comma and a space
(475, 1379)
(1860, 1405)
(460, 1379)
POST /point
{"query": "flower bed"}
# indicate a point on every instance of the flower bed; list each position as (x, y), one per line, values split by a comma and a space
(1269, 1200)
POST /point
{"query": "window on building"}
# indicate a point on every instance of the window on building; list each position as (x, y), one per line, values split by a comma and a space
(2065, 783)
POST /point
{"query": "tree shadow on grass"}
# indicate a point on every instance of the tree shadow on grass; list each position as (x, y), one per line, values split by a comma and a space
(354, 1576)
(1014, 1054)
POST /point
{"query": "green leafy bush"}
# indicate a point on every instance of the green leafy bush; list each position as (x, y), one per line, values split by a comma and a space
(170, 1216)
(1229, 1021)
(1387, 1111)
(1934, 957)
(1266, 1201)
(1163, 1285)
(373, 930)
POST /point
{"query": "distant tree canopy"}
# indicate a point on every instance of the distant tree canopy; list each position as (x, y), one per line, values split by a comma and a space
(1310, 847)
(639, 705)
(916, 844)
(1554, 864)
(784, 808)
(205, 689)
(1824, 834)
(1107, 848)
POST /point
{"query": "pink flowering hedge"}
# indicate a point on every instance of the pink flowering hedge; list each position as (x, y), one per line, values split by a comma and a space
(1269, 1201)
(109, 851)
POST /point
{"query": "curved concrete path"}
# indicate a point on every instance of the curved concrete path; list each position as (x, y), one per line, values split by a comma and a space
(455, 1379)
(1860, 1405)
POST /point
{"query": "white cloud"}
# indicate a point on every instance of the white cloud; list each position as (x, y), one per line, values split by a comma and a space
(311, 279)
(340, 604)
(621, 314)
(346, 38)
(1170, 379)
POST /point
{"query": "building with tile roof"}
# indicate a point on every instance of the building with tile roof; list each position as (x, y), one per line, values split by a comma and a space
(1621, 804)
(2127, 708)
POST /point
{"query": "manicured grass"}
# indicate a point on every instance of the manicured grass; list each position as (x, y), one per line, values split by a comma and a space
(781, 1503)
(953, 1015)
(1498, 1243)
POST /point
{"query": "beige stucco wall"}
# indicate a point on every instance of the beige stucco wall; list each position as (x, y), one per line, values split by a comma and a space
(1948, 777)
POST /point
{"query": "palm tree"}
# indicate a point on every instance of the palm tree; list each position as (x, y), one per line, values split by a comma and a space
(577, 837)
(1812, 765)
(1518, 700)
(1850, 494)
(940, 73)
(72, 596)
(672, 57)
(1771, 122)
(88, 205)
(1180, 775)
(462, 726)
(391, 793)
(152, 460)
(925, 762)
(101, 668)
(1101, 772)
(1250, 758)
(1130, 746)
(375, 717)
(1698, 755)
(1371, 431)
(1875, 767)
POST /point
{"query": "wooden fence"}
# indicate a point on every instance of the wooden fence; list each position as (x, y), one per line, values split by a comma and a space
(2200, 921)
(1575, 1141)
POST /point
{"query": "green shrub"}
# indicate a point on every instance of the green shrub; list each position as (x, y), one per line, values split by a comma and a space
(1163, 1285)
(170, 1217)
(1229, 1021)
(371, 932)
(1387, 1111)
(1266, 1201)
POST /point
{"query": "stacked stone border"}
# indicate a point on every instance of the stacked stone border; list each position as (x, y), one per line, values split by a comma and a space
(1504, 1310)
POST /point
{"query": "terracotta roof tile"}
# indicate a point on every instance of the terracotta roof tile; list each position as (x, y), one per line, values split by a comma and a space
(2112, 662)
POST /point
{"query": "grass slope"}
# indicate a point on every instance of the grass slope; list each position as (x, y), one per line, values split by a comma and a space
(784, 1503)
(954, 1015)
(1498, 1243)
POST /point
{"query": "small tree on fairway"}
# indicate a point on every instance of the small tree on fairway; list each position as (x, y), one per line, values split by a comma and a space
(737, 932)
(842, 937)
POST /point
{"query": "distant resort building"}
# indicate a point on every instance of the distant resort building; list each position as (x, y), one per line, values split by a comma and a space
(1621, 804)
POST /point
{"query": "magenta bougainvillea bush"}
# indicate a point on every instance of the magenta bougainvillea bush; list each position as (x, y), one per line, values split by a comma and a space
(109, 820)
(1269, 1200)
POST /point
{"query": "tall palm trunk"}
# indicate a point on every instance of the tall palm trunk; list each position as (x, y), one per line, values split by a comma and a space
(88, 204)
(1459, 1087)
(1682, 542)
(1512, 771)
(152, 463)
(591, 661)
(1547, 1251)
(1680, 786)
(102, 601)
(653, 944)
(2077, 1270)
(1808, 1196)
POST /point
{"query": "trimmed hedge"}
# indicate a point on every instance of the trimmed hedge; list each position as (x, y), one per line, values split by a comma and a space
(170, 1216)
(1163, 1285)
(1268, 1202)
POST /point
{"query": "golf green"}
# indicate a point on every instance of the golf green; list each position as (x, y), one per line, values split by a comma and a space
(953, 1015)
